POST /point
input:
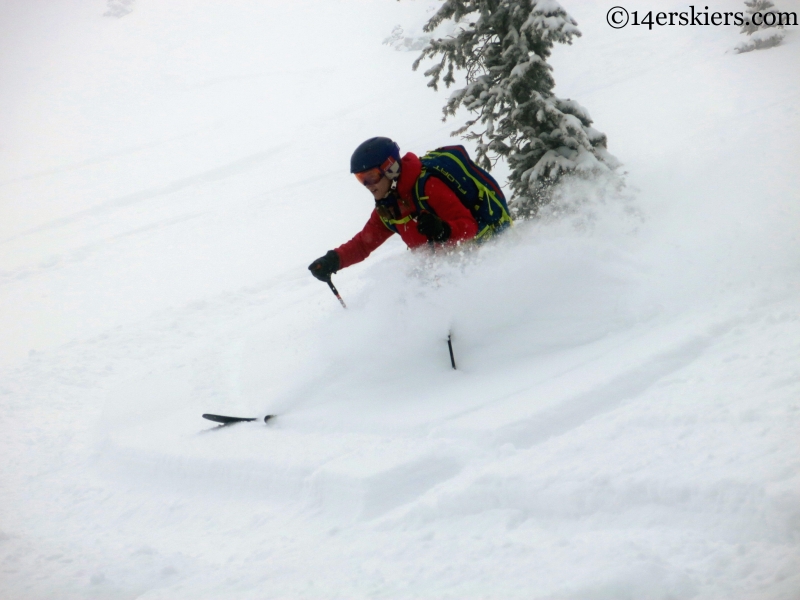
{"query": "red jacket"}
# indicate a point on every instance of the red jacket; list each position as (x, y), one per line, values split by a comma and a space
(444, 203)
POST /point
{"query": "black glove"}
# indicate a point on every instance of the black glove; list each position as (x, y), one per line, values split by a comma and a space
(325, 266)
(432, 227)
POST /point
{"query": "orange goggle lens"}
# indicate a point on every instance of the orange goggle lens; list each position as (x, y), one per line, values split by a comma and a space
(370, 176)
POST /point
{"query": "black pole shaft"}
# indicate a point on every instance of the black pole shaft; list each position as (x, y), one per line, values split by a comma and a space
(336, 292)
(450, 347)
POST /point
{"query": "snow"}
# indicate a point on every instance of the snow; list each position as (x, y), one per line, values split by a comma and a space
(624, 419)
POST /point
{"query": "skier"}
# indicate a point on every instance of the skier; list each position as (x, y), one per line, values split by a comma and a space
(390, 179)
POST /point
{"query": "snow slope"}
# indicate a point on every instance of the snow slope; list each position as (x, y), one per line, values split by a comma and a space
(625, 418)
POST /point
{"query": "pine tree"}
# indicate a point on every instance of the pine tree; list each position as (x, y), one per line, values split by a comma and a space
(502, 47)
(766, 34)
(753, 7)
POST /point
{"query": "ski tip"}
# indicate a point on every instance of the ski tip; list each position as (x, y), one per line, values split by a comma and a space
(226, 420)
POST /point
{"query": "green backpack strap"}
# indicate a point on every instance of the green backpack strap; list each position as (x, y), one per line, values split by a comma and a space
(392, 224)
(420, 204)
(420, 201)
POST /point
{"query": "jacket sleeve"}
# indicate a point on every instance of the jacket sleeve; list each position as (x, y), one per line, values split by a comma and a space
(448, 207)
(364, 242)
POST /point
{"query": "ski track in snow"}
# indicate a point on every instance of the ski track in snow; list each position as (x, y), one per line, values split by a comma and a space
(625, 416)
(217, 174)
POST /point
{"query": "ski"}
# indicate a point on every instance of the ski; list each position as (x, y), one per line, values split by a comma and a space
(226, 420)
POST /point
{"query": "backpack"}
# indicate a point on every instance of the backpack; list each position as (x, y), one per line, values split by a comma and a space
(477, 190)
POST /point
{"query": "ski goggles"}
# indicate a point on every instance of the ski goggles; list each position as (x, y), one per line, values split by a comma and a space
(389, 169)
(370, 176)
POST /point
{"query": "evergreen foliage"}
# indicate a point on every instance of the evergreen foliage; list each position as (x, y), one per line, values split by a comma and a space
(502, 47)
(764, 35)
(753, 7)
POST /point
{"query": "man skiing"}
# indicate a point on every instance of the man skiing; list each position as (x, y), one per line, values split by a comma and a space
(399, 208)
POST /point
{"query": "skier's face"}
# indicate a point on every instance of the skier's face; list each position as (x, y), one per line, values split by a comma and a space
(376, 181)
(379, 189)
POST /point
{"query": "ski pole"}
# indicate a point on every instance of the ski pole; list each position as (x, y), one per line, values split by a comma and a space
(450, 347)
(335, 291)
